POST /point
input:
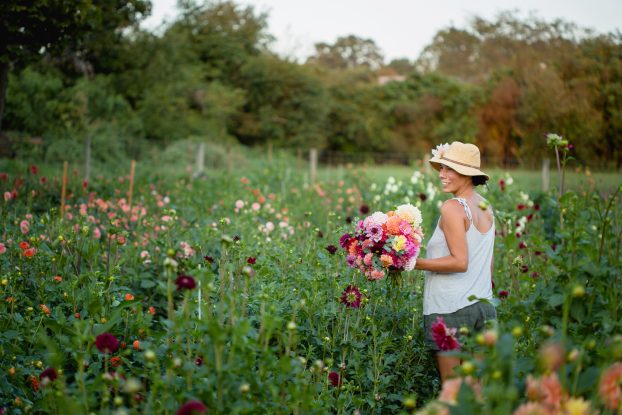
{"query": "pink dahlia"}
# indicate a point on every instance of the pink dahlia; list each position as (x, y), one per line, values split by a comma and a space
(444, 336)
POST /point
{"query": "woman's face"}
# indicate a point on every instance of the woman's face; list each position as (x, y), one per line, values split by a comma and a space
(451, 180)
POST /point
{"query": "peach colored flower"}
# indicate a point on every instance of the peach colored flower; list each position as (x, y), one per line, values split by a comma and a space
(376, 274)
(387, 261)
(609, 387)
(45, 309)
(393, 225)
(531, 408)
(2, 248)
(552, 391)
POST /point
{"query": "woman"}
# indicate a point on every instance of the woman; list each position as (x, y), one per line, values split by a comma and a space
(460, 252)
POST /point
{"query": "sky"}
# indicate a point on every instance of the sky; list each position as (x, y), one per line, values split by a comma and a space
(400, 28)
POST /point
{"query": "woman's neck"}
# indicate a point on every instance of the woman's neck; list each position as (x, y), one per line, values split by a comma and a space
(465, 192)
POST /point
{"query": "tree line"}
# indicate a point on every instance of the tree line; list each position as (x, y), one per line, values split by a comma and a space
(76, 69)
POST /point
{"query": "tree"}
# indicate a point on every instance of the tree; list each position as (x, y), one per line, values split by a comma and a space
(223, 36)
(347, 53)
(30, 30)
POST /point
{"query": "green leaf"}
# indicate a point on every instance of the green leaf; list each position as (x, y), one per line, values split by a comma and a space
(556, 299)
(147, 284)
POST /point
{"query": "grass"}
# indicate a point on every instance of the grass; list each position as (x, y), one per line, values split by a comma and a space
(528, 180)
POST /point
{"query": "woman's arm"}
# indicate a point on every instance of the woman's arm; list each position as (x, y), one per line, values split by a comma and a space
(453, 226)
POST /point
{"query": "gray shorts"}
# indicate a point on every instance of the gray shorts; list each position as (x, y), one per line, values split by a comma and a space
(473, 317)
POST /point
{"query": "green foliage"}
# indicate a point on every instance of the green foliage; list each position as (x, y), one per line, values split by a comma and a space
(264, 326)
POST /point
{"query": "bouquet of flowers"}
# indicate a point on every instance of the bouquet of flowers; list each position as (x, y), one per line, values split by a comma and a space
(384, 242)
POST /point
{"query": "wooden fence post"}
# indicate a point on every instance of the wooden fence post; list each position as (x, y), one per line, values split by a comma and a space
(546, 174)
(63, 190)
(131, 191)
(87, 158)
(200, 162)
(312, 165)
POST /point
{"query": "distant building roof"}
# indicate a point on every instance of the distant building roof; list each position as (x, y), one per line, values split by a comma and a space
(383, 79)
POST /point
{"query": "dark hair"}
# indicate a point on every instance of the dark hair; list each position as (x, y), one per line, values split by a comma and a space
(479, 180)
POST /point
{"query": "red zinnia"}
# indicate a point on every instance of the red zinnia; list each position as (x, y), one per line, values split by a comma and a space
(351, 297)
(335, 379)
(444, 336)
(185, 282)
(192, 407)
(106, 343)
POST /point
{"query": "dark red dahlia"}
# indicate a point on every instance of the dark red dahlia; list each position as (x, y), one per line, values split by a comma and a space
(331, 249)
(48, 375)
(251, 260)
(364, 209)
(106, 343)
(351, 297)
(503, 294)
(185, 282)
(191, 408)
(335, 379)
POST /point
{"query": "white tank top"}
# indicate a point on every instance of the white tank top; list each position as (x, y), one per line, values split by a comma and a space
(449, 292)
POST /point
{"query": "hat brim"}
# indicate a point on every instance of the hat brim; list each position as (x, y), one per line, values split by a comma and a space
(464, 170)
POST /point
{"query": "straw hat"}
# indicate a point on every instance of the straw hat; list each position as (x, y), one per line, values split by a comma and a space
(462, 157)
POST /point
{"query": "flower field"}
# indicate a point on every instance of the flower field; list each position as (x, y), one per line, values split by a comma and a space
(229, 294)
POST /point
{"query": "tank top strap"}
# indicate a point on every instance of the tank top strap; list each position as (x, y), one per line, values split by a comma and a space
(467, 209)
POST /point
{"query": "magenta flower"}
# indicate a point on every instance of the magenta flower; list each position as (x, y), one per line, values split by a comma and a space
(335, 379)
(444, 336)
(106, 343)
(185, 282)
(351, 297)
(503, 294)
(343, 241)
(191, 408)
